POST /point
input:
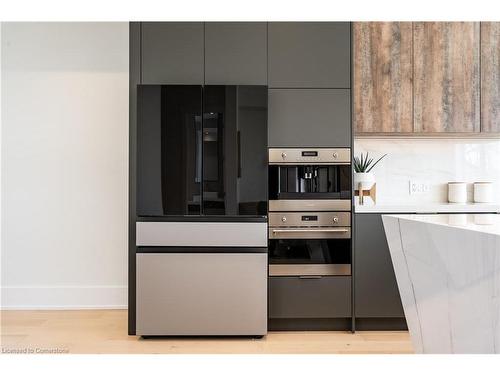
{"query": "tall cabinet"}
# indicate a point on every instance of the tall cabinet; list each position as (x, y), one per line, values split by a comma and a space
(309, 80)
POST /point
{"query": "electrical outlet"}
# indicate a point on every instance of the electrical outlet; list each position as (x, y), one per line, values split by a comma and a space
(418, 187)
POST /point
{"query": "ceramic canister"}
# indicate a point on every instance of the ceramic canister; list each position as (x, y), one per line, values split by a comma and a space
(457, 192)
(483, 192)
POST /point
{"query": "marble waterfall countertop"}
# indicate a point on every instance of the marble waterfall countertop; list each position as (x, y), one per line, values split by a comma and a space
(429, 208)
(448, 273)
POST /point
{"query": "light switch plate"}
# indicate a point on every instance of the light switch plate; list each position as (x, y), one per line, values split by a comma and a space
(418, 187)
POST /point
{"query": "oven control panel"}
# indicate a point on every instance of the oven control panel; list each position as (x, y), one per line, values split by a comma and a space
(309, 219)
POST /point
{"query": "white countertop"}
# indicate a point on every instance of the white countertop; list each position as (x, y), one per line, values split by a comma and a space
(430, 208)
(484, 223)
(447, 267)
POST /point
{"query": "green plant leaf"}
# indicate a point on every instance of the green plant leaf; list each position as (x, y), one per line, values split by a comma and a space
(383, 156)
(364, 164)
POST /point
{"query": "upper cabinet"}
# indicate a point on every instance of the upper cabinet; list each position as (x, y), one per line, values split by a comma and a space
(446, 76)
(426, 78)
(236, 53)
(172, 52)
(309, 118)
(309, 55)
(490, 77)
(382, 86)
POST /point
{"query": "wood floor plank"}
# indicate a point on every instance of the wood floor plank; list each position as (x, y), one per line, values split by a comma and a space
(105, 331)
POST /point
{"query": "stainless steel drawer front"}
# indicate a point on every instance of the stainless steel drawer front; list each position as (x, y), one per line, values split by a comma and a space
(310, 205)
(309, 233)
(300, 219)
(310, 156)
(309, 269)
(201, 234)
(201, 294)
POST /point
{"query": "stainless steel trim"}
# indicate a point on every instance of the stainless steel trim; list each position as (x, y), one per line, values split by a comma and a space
(309, 233)
(309, 270)
(294, 219)
(201, 234)
(310, 205)
(324, 156)
(309, 230)
(311, 277)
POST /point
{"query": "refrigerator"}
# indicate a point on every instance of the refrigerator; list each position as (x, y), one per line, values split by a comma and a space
(200, 266)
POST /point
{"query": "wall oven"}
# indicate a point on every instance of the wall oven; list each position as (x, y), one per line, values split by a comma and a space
(309, 212)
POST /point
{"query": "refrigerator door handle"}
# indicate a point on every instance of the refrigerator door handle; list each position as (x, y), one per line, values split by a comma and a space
(238, 140)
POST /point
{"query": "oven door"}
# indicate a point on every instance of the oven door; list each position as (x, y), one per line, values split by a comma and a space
(326, 254)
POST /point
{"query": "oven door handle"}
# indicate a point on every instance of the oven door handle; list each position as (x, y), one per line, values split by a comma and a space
(298, 230)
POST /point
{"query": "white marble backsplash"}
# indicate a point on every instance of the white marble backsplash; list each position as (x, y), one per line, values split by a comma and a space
(435, 161)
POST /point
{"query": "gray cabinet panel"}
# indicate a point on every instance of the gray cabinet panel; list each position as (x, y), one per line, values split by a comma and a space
(236, 53)
(376, 290)
(309, 118)
(172, 52)
(309, 54)
(325, 297)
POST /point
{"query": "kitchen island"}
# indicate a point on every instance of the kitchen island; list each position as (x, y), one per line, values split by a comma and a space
(447, 269)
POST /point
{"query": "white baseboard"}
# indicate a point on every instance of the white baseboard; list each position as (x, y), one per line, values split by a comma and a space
(63, 297)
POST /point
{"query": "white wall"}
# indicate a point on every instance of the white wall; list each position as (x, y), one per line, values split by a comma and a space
(64, 164)
(434, 161)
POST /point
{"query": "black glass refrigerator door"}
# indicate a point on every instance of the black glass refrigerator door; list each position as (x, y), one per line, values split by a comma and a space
(235, 150)
(169, 150)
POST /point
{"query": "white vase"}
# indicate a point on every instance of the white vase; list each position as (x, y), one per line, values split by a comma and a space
(365, 179)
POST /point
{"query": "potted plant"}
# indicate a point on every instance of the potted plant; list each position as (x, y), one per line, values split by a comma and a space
(363, 174)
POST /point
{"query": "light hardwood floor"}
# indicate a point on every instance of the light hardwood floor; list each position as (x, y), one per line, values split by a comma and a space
(105, 331)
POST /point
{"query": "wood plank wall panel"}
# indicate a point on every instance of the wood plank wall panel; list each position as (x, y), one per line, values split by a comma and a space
(446, 77)
(490, 77)
(383, 90)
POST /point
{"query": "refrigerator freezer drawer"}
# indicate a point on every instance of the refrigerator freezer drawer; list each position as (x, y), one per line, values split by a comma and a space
(201, 294)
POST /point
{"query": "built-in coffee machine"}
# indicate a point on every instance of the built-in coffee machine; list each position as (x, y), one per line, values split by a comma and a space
(310, 212)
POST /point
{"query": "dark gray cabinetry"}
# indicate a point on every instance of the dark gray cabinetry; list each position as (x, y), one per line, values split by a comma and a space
(134, 80)
(296, 297)
(309, 118)
(309, 54)
(236, 53)
(172, 52)
(376, 290)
